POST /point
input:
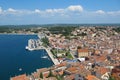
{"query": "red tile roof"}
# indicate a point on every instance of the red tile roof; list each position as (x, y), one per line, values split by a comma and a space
(62, 64)
(91, 77)
(82, 50)
(72, 69)
(20, 77)
(102, 70)
(101, 58)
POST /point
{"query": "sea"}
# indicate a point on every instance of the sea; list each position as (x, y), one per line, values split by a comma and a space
(16, 60)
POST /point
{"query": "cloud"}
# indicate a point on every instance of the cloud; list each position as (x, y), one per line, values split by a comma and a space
(75, 13)
(100, 12)
(71, 10)
(11, 10)
(78, 8)
(1, 10)
(49, 10)
(114, 13)
(55, 10)
(59, 10)
(37, 11)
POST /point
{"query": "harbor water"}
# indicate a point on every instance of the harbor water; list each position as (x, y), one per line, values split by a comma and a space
(15, 60)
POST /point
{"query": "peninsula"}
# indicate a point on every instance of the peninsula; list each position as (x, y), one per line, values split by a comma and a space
(82, 52)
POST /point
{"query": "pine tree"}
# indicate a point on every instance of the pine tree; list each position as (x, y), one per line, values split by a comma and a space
(50, 74)
(41, 75)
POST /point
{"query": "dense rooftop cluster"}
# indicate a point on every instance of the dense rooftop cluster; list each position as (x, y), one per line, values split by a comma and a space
(94, 54)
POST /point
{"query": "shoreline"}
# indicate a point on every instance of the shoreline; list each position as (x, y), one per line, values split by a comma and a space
(55, 61)
(17, 34)
(13, 61)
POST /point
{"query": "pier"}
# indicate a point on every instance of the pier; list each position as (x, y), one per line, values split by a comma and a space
(55, 61)
(36, 45)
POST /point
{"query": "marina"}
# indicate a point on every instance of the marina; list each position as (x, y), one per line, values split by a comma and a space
(36, 44)
(55, 61)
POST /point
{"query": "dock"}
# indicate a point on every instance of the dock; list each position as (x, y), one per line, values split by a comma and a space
(55, 61)
(36, 44)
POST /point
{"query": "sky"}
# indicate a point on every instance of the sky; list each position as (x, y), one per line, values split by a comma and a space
(59, 11)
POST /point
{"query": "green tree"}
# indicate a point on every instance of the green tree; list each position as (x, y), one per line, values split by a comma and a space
(79, 47)
(50, 74)
(45, 41)
(111, 78)
(67, 53)
(117, 29)
(41, 75)
(58, 77)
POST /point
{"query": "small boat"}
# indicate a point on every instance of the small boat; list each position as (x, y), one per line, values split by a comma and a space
(20, 69)
(45, 57)
(27, 48)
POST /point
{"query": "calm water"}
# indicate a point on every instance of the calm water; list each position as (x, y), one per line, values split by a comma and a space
(13, 56)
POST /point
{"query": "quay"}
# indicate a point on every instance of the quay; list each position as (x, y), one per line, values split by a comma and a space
(55, 61)
(36, 44)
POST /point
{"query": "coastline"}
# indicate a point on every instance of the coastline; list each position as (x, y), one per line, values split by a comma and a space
(55, 61)
(19, 57)
(17, 34)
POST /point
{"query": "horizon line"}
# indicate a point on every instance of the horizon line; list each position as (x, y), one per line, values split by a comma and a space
(59, 24)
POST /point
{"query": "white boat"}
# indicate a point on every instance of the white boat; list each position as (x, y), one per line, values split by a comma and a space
(45, 57)
(26, 47)
(20, 69)
(29, 48)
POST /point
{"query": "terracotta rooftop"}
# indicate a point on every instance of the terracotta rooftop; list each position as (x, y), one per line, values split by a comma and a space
(61, 72)
(36, 75)
(70, 77)
(45, 74)
(42, 69)
(101, 58)
(61, 64)
(72, 69)
(97, 51)
(82, 50)
(91, 77)
(102, 70)
(20, 77)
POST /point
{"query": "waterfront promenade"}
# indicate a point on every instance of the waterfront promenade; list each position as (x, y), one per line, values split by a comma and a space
(55, 61)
